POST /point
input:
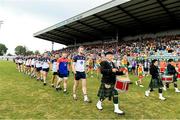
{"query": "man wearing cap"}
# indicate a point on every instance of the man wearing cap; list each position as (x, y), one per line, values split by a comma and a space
(107, 90)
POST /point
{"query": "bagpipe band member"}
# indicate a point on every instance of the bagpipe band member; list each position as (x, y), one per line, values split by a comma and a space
(107, 90)
(156, 81)
(172, 71)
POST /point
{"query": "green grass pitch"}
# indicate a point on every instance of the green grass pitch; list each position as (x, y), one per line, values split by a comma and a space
(25, 98)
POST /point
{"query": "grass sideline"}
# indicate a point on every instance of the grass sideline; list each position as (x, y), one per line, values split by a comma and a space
(25, 98)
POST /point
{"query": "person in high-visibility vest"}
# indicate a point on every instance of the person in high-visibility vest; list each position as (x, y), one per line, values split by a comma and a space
(140, 75)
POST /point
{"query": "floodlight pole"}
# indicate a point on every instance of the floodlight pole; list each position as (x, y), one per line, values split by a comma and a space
(52, 46)
(1, 22)
(117, 35)
(75, 42)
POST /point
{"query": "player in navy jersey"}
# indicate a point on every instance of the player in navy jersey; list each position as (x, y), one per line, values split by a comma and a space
(63, 71)
(78, 68)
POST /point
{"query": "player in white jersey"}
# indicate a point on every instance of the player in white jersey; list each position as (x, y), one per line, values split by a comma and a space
(45, 67)
(20, 62)
(24, 65)
(38, 68)
(33, 63)
(54, 70)
(78, 67)
(28, 62)
(16, 61)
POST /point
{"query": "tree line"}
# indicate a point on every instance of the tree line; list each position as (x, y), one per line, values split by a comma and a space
(19, 50)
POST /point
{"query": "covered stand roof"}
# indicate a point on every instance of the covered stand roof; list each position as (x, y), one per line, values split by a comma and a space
(103, 22)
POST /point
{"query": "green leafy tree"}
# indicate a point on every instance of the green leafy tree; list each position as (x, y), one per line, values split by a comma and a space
(3, 49)
(37, 52)
(9, 54)
(20, 50)
(29, 52)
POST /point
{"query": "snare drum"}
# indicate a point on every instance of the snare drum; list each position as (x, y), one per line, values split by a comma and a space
(122, 84)
(167, 78)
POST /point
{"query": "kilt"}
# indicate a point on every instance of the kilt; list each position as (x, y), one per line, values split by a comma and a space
(106, 92)
(156, 83)
(175, 78)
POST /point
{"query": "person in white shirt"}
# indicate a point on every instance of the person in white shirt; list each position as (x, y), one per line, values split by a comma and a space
(24, 65)
(20, 62)
(38, 68)
(54, 69)
(45, 67)
(78, 67)
(28, 69)
(33, 62)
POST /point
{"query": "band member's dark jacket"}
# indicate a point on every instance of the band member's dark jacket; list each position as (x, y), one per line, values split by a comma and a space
(154, 71)
(171, 69)
(108, 77)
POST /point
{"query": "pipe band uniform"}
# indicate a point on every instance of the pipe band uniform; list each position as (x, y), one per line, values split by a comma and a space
(107, 87)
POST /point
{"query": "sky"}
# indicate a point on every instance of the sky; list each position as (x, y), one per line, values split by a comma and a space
(22, 18)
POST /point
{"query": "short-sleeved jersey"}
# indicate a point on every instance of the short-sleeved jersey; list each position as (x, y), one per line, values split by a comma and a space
(45, 62)
(79, 62)
(38, 63)
(33, 61)
(20, 60)
(63, 66)
(54, 65)
(28, 61)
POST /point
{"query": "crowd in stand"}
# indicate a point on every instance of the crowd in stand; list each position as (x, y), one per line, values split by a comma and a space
(136, 48)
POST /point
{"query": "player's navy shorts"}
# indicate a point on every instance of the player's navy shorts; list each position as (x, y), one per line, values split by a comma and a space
(80, 75)
(55, 73)
(39, 69)
(45, 69)
(63, 75)
(20, 63)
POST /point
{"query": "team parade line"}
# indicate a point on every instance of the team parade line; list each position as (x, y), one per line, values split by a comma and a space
(114, 75)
